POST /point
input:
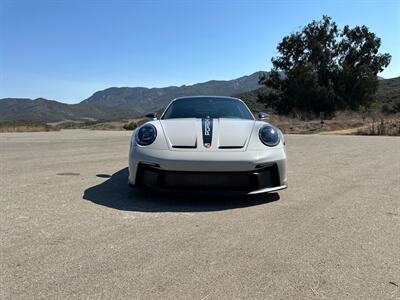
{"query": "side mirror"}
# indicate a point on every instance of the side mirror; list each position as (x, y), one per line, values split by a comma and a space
(152, 115)
(263, 116)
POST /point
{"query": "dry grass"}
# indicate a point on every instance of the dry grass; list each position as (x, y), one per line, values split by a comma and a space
(390, 127)
(103, 125)
(342, 121)
(133, 124)
(25, 126)
(93, 125)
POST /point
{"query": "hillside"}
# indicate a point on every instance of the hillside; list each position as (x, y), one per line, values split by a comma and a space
(118, 102)
(132, 102)
(50, 111)
(152, 99)
(251, 98)
(389, 90)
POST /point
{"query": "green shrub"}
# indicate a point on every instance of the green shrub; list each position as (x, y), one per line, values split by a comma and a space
(389, 108)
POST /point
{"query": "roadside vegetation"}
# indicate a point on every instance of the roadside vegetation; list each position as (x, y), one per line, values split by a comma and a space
(323, 69)
(133, 124)
(93, 125)
(103, 124)
(382, 126)
(25, 126)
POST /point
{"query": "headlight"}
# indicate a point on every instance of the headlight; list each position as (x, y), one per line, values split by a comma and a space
(146, 135)
(269, 135)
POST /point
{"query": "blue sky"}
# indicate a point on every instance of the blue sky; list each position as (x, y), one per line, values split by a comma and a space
(67, 50)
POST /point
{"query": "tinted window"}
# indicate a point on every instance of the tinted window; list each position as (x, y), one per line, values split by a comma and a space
(204, 107)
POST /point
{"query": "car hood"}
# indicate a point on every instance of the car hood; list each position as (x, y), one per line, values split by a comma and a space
(207, 134)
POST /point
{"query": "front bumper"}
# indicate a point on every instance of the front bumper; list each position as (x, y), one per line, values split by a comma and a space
(249, 172)
(258, 181)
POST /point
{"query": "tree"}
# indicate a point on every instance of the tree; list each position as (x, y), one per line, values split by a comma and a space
(359, 63)
(322, 69)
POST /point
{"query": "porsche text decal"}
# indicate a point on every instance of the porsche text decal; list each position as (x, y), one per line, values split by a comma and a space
(207, 126)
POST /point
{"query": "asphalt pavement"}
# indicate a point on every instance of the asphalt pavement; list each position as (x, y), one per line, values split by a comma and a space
(71, 228)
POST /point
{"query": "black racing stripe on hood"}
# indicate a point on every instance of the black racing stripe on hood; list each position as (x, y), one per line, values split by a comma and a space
(207, 129)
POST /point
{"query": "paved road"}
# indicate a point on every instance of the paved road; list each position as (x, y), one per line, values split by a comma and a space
(70, 231)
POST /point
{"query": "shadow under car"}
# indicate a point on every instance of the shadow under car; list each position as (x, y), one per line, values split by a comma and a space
(115, 193)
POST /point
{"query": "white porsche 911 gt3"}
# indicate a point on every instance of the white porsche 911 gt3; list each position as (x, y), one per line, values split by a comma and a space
(208, 144)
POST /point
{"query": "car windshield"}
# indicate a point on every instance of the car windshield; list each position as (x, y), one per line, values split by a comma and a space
(207, 107)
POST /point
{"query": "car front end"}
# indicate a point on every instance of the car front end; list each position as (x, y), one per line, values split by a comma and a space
(210, 154)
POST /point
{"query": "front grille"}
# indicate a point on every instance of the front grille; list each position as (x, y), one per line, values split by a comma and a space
(210, 181)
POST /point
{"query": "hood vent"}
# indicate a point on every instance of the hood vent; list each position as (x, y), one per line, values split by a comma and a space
(185, 147)
(230, 147)
(181, 133)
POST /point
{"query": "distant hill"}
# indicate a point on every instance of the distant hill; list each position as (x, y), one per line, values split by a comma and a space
(389, 90)
(51, 111)
(118, 102)
(152, 99)
(132, 102)
(251, 98)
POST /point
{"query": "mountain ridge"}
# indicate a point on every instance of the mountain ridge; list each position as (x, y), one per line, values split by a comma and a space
(45, 110)
(119, 102)
(151, 99)
(131, 102)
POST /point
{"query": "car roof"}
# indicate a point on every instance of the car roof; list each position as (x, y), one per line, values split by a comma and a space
(207, 96)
